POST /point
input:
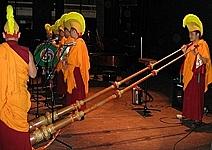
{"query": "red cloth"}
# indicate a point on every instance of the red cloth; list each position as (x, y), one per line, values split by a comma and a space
(22, 51)
(78, 93)
(13, 140)
(193, 101)
(61, 85)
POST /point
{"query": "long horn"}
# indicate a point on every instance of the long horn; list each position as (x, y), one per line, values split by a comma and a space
(46, 131)
(47, 119)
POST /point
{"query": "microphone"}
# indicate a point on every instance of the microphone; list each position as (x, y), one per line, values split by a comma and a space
(50, 40)
(70, 44)
(55, 39)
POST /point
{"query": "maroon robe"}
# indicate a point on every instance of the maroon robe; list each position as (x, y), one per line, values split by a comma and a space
(11, 139)
(61, 86)
(22, 51)
(193, 101)
(78, 93)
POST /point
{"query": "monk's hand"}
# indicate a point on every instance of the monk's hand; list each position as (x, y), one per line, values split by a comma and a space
(184, 48)
(195, 49)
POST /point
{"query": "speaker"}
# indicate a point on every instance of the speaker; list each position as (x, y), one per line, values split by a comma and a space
(208, 99)
(177, 96)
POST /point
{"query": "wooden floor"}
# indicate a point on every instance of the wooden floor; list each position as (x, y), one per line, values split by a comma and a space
(119, 125)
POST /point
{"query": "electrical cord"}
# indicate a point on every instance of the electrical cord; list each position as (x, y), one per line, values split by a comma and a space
(174, 148)
(161, 120)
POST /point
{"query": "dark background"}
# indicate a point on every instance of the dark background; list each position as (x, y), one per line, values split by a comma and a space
(120, 23)
(158, 22)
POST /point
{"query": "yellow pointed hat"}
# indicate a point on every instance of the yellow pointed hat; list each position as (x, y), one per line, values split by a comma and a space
(193, 23)
(48, 28)
(75, 20)
(62, 21)
(10, 27)
(55, 27)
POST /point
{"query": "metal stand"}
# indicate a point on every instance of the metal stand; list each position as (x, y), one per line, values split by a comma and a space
(51, 85)
(145, 111)
(37, 93)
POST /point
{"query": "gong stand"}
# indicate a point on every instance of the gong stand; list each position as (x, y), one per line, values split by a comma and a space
(48, 44)
(49, 81)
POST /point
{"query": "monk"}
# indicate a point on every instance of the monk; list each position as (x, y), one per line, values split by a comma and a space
(62, 56)
(76, 73)
(17, 65)
(62, 40)
(197, 71)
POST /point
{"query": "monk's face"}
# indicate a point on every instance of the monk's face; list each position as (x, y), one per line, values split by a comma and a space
(74, 33)
(66, 33)
(194, 36)
(61, 32)
(49, 35)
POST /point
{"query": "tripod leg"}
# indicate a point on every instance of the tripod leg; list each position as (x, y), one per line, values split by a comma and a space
(146, 111)
(37, 102)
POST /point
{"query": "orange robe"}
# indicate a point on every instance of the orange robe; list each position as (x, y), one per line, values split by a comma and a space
(14, 96)
(60, 64)
(61, 85)
(77, 58)
(203, 50)
(60, 46)
(63, 41)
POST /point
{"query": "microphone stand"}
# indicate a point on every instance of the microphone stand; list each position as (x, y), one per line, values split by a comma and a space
(51, 85)
(46, 52)
(145, 111)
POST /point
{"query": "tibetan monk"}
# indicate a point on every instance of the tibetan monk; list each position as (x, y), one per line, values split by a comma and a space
(76, 74)
(197, 71)
(17, 65)
(62, 56)
(61, 86)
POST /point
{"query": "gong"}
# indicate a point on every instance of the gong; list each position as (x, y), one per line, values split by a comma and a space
(45, 55)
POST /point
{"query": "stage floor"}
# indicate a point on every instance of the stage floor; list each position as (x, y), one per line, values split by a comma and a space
(119, 125)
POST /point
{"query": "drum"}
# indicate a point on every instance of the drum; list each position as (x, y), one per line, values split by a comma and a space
(45, 55)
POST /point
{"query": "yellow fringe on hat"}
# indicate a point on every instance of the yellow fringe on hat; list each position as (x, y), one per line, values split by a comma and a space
(75, 17)
(10, 26)
(10, 19)
(193, 23)
(57, 25)
(48, 28)
(62, 19)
